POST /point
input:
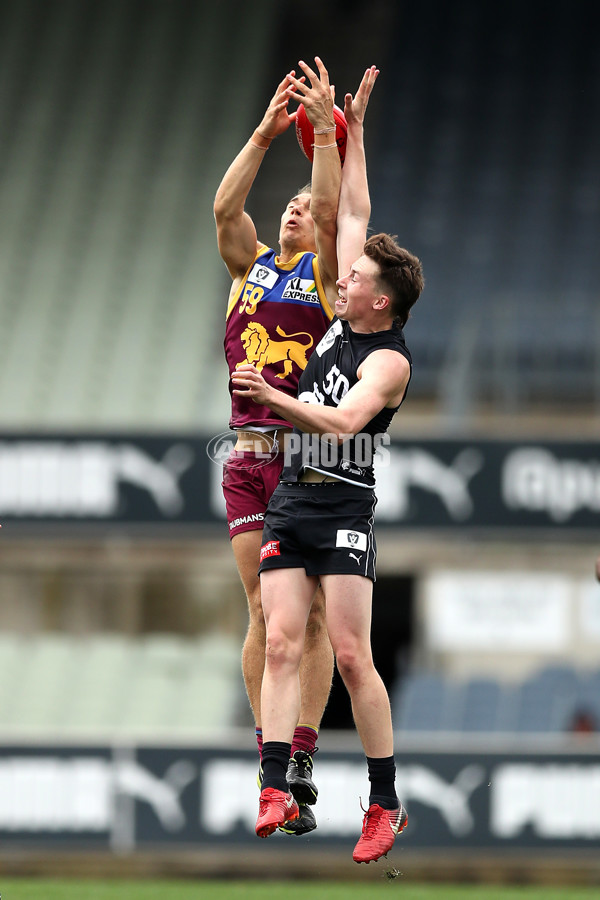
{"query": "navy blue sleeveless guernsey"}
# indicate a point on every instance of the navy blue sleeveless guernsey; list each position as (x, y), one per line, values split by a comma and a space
(329, 375)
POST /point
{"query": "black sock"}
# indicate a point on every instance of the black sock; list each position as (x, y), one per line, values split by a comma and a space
(275, 759)
(382, 775)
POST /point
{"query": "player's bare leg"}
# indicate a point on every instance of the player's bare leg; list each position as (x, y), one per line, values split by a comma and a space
(286, 627)
(316, 666)
(316, 670)
(246, 550)
(349, 622)
(287, 600)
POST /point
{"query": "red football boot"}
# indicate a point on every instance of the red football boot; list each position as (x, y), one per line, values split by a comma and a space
(380, 827)
(276, 808)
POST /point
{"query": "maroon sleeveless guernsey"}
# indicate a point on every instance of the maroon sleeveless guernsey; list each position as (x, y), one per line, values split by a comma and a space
(275, 319)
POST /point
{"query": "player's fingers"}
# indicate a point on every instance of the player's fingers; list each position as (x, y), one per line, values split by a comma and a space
(323, 73)
(367, 84)
(283, 84)
(298, 83)
(370, 73)
(371, 76)
(365, 80)
(348, 106)
(308, 71)
(280, 95)
(292, 95)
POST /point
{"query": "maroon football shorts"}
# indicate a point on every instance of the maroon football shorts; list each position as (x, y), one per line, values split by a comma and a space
(249, 479)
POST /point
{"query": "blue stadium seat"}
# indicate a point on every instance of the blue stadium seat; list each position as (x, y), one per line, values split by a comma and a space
(562, 678)
(481, 705)
(541, 705)
(478, 181)
(420, 704)
(587, 700)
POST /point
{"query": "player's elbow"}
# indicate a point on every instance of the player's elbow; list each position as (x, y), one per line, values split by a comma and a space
(342, 436)
(347, 427)
(354, 219)
(225, 209)
(221, 210)
(324, 214)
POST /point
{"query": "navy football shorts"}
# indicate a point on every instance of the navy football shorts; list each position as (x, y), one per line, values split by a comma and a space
(323, 528)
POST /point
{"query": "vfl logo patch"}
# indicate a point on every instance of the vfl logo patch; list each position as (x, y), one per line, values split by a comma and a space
(271, 548)
(328, 338)
(355, 540)
(261, 275)
(301, 289)
(346, 466)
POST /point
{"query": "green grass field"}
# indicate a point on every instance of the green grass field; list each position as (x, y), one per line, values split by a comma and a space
(48, 889)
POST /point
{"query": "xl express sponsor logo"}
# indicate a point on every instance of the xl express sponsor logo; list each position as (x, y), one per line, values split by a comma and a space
(303, 289)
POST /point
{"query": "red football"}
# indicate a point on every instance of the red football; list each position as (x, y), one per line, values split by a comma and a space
(306, 135)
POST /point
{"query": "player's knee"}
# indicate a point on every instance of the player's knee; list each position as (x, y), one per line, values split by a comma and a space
(281, 651)
(351, 664)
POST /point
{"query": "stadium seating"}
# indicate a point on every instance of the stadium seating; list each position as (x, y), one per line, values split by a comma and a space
(46, 670)
(481, 702)
(588, 698)
(485, 165)
(544, 703)
(536, 707)
(421, 703)
(109, 662)
(111, 685)
(111, 287)
(488, 172)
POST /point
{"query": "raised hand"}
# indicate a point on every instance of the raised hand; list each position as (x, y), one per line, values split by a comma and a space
(355, 107)
(317, 97)
(277, 118)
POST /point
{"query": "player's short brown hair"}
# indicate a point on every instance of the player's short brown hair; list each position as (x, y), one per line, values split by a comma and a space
(305, 189)
(401, 274)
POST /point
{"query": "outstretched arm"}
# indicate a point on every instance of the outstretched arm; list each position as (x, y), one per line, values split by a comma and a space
(355, 205)
(236, 234)
(383, 378)
(317, 96)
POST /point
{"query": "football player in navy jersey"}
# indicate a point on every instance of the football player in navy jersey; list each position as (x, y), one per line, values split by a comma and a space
(319, 522)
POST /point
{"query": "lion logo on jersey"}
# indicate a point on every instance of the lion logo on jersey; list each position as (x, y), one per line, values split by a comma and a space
(261, 350)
